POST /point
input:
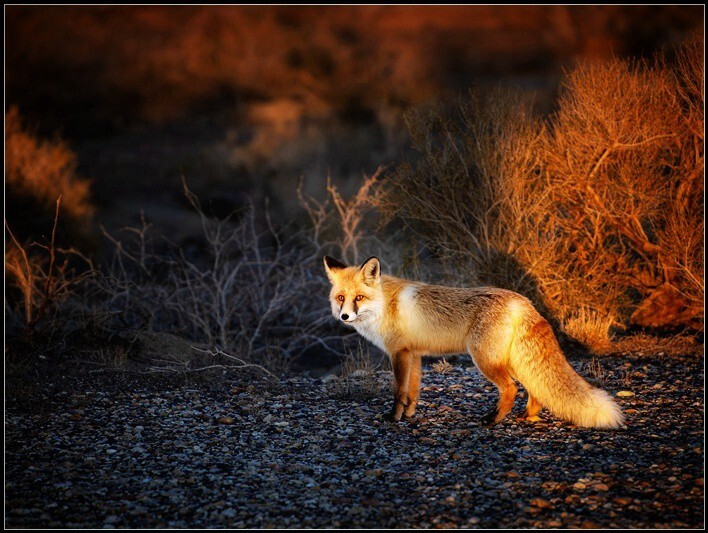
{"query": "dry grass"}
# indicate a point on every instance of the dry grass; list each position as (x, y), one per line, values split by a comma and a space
(596, 213)
(42, 277)
(442, 366)
(359, 375)
(590, 328)
(596, 372)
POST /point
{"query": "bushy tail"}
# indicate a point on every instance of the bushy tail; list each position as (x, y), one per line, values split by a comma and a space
(541, 367)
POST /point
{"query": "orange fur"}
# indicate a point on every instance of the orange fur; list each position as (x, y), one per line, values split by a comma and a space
(506, 337)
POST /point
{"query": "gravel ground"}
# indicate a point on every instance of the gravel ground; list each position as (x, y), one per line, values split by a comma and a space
(314, 453)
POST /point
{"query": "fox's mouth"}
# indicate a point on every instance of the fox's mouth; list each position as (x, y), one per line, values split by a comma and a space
(361, 317)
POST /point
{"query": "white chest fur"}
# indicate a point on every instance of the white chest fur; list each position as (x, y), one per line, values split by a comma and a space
(369, 331)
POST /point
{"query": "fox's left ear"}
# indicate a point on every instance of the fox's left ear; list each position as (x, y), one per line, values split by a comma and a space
(371, 270)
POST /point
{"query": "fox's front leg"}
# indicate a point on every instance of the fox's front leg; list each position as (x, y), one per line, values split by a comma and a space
(413, 386)
(402, 363)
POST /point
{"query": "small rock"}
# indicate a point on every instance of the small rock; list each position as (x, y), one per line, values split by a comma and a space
(541, 503)
(625, 394)
(226, 420)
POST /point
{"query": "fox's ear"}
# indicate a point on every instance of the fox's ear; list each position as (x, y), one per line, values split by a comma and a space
(371, 270)
(331, 266)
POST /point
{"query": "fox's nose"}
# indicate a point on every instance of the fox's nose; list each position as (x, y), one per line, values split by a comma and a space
(345, 316)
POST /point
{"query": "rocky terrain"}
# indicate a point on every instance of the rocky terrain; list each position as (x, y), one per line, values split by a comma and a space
(317, 453)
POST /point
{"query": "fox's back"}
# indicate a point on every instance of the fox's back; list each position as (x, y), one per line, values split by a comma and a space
(436, 319)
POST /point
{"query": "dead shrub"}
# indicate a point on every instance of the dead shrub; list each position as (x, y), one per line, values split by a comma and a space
(40, 278)
(442, 366)
(476, 196)
(621, 159)
(595, 213)
(253, 296)
(348, 225)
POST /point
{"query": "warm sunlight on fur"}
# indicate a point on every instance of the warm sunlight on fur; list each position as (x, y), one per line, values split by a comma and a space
(506, 337)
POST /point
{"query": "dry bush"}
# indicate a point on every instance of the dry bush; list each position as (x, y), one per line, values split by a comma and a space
(248, 297)
(251, 296)
(475, 196)
(237, 297)
(40, 278)
(625, 169)
(43, 170)
(348, 225)
(590, 328)
(596, 213)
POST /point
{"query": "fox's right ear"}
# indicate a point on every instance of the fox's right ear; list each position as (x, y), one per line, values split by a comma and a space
(331, 266)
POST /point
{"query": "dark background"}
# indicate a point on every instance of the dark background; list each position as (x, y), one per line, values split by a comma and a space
(246, 101)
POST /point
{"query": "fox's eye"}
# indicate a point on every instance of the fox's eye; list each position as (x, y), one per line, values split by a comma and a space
(359, 298)
(340, 297)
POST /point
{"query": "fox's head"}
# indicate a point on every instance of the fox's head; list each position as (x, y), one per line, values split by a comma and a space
(356, 294)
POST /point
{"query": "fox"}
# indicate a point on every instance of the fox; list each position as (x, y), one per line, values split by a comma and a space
(508, 339)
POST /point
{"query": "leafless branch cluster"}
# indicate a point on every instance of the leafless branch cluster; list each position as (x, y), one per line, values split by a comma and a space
(251, 291)
(595, 212)
(348, 226)
(42, 274)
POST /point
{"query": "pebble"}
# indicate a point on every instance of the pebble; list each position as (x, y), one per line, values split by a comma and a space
(301, 454)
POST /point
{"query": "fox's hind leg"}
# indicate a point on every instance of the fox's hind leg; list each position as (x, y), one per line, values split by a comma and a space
(533, 407)
(498, 375)
(413, 386)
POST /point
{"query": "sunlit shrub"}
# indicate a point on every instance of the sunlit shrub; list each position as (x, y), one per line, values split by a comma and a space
(43, 169)
(37, 173)
(600, 206)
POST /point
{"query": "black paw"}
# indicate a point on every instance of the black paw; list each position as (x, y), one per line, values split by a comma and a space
(489, 418)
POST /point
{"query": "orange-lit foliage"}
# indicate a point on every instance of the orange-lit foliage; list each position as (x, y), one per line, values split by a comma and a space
(154, 62)
(596, 213)
(41, 171)
(625, 164)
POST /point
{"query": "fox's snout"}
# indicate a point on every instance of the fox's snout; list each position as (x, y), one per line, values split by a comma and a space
(346, 317)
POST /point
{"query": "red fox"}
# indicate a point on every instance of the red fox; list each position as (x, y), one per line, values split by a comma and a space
(502, 331)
